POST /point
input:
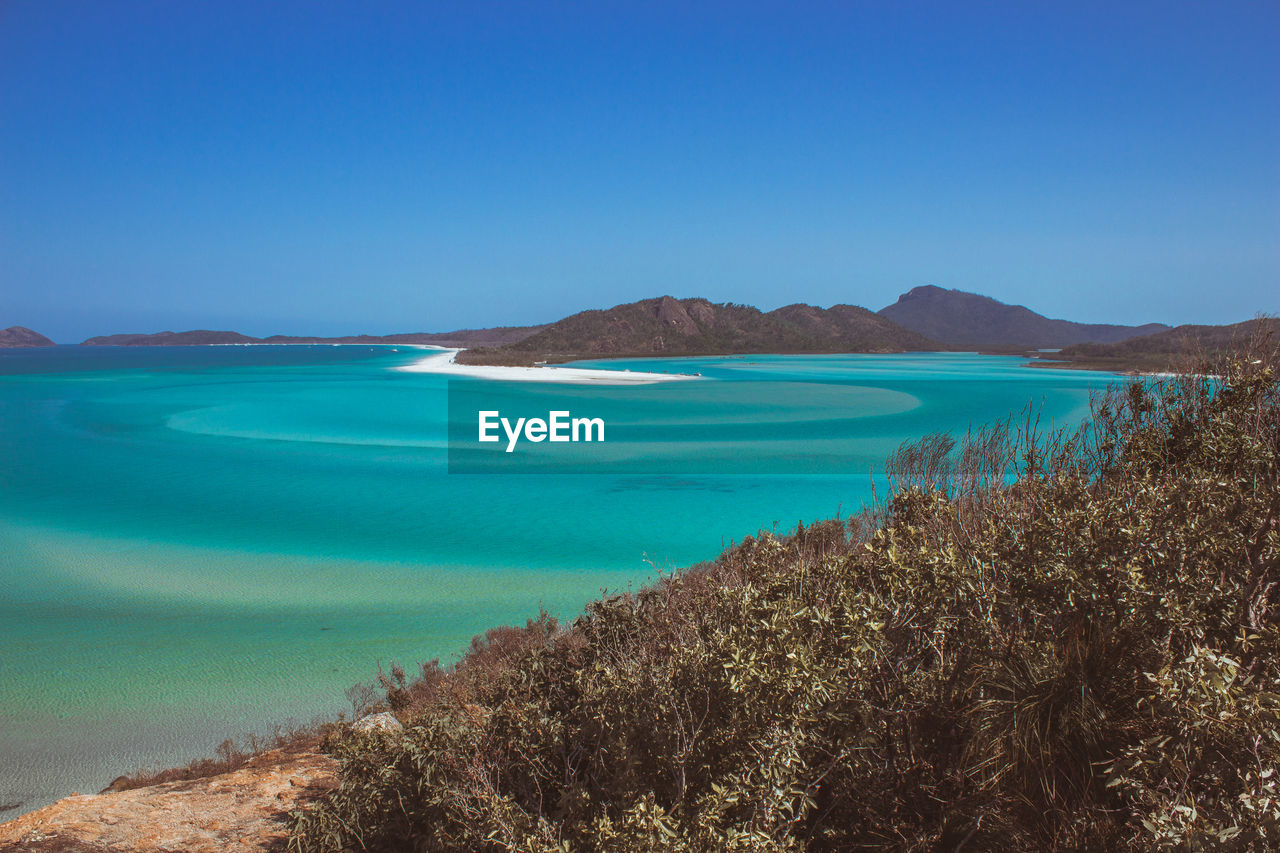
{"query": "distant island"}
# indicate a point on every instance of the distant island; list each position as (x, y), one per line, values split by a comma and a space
(957, 319)
(21, 336)
(204, 337)
(1165, 350)
(924, 319)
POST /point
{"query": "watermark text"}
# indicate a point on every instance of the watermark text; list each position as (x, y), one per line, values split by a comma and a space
(559, 425)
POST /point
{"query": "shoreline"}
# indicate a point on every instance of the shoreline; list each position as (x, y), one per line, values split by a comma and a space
(445, 363)
(596, 376)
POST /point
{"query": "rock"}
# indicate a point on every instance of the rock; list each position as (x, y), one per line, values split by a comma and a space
(117, 784)
(671, 312)
(239, 812)
(384, 722)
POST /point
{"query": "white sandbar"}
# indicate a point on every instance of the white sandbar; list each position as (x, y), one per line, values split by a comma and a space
(444, 363)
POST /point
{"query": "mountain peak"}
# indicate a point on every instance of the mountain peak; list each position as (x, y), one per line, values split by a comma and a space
(961, 319)
(924, 291)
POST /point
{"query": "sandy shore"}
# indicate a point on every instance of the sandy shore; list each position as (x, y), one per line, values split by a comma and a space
(444, 362)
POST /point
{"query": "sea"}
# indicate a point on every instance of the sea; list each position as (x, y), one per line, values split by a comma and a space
(201, 543)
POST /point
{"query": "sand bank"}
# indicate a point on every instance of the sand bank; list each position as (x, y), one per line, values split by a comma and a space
(444, 362)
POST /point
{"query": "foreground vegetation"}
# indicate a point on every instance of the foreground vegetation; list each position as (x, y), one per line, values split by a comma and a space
(233, 754)
(1037, 642)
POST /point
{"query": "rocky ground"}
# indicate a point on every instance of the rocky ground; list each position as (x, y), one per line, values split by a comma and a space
(239, 812)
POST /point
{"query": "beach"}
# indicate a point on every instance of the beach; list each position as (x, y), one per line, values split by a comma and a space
(445, 362)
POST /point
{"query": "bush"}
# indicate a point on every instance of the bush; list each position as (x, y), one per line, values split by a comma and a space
(1039, 642)
(232, 754)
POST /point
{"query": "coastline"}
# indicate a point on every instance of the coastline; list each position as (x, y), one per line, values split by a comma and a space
(596, 376)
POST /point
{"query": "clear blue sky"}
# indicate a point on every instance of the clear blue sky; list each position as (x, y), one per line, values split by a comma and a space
(337, 167)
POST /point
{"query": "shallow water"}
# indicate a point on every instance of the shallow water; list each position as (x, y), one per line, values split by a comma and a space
(201, 542)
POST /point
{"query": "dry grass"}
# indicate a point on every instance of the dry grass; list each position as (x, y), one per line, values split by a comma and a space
(232, 755)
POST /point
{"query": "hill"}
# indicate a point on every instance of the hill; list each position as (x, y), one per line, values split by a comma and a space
(497, 336)
(923, 319)
(1165, 350)
(460, 338)
(21, 336)
(669, 326)
(196, 337)
(959, 319)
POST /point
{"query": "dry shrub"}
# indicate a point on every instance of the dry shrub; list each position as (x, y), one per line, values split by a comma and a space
(1040, 640)
(232, 755)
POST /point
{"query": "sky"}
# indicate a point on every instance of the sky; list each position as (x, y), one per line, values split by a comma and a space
(345, 167)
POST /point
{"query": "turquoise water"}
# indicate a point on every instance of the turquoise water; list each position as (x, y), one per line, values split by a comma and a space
(198, 543)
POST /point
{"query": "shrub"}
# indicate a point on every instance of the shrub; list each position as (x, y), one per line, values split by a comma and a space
(1041, 641)
(232, 754)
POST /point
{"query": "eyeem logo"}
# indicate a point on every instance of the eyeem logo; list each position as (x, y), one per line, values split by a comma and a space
(559, 426)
